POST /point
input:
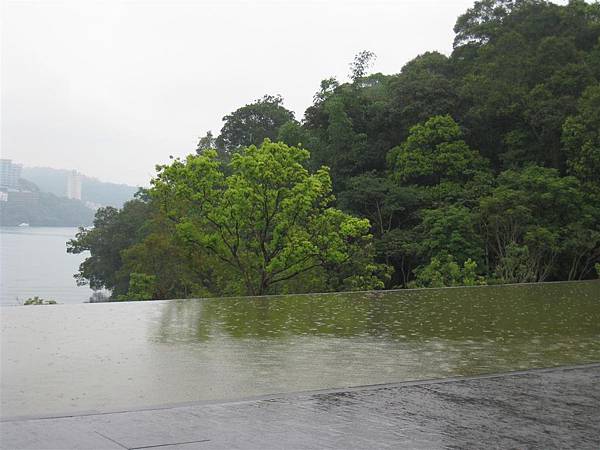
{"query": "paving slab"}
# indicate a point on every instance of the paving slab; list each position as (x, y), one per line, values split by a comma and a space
(549, 408)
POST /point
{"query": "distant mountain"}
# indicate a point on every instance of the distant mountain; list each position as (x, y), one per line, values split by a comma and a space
(93, 190)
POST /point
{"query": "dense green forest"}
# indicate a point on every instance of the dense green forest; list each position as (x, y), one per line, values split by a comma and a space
(481, 167)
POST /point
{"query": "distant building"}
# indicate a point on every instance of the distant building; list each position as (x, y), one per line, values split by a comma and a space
(74, 185)
(9, 174)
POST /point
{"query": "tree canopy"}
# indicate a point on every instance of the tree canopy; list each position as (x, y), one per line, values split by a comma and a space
(269, 221)
(251, 124)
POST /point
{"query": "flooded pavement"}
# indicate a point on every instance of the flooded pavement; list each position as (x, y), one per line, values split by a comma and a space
(555, 408)
(122, 356)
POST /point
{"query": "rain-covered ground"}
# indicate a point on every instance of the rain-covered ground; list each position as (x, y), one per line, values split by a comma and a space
(70, 358)
(542, 409)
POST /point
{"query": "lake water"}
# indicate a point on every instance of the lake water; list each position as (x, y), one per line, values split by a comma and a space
(68, 358)
(34, 261)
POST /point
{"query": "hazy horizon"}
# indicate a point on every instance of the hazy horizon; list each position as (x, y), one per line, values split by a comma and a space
(86, 175)
(113, 88)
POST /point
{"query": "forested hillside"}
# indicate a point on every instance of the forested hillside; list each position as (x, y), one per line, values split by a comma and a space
(43, 209)
(478, 167)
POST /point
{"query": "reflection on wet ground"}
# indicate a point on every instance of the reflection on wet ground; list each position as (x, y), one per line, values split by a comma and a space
(63, 358)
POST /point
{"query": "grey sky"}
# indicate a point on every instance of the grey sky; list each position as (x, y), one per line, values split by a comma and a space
(112, 88)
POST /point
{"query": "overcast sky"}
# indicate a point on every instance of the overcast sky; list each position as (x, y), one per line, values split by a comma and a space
(111, 88)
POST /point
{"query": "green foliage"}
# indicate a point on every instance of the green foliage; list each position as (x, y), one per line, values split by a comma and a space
(451, 230)
(292, 134)
(581, 137)
(114, 231)
(178, 272)
(141, 287)
(38, 301)
(434, 152)
(518, 90)
(522, 65)
(269, 221)
(206, 142)
(470, 276)
(422, 90)
(516, 265)
(532, 220)
(250, 125)
(444, 271)
(482, 22)
(379, 199)
(348, 127)
(139, 240)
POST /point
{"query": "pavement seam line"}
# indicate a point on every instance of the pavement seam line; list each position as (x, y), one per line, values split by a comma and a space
(166, 445)
(111, 439)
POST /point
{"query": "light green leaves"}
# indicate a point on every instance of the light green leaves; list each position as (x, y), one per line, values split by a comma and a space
(270, 219)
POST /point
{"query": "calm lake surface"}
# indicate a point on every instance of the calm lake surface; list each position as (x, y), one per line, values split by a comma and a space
(67, 358)
(34, 261)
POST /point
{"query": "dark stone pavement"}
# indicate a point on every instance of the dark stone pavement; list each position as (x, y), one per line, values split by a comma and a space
(547, 408)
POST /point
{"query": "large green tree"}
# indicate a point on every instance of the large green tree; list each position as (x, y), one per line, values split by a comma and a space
(268, 221)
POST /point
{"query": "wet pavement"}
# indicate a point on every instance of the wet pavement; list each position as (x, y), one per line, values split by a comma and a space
(103, 357)
(547, 408)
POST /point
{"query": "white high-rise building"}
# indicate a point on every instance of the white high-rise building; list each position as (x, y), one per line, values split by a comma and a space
(74, 185)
